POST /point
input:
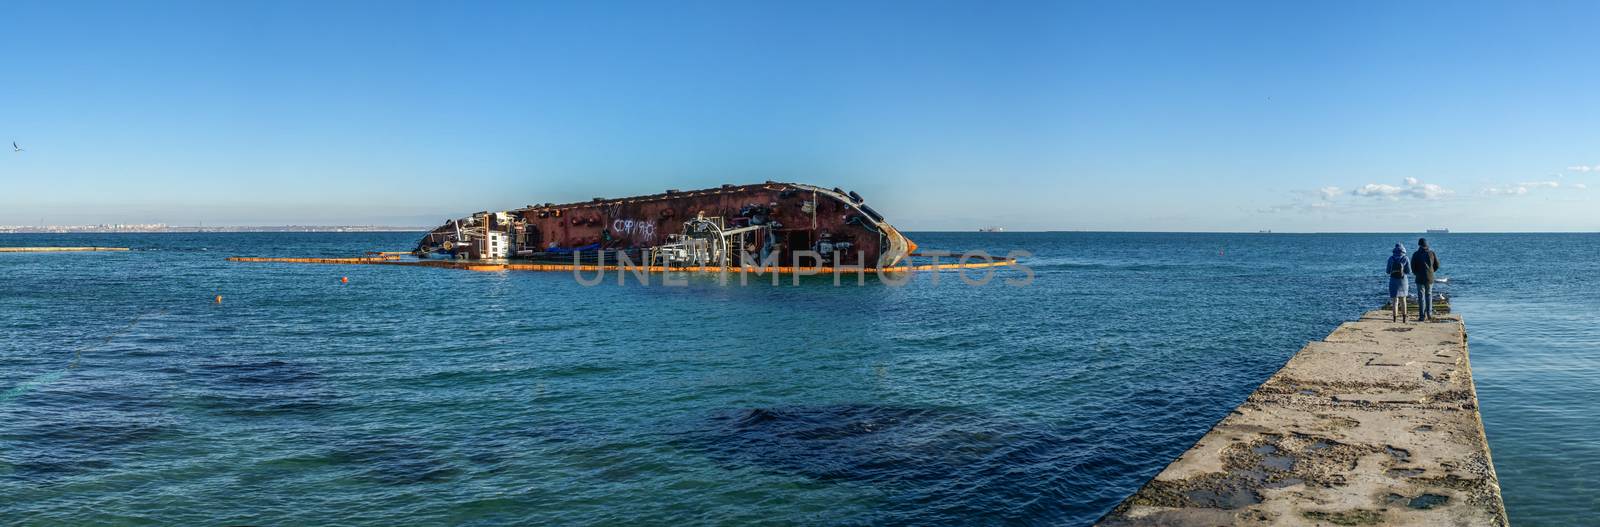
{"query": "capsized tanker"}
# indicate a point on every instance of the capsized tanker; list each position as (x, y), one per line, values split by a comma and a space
(785, 223)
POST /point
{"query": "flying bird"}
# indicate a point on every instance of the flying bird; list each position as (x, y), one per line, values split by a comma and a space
(14, 147)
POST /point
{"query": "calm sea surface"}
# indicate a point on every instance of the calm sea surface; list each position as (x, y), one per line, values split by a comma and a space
(430, 396)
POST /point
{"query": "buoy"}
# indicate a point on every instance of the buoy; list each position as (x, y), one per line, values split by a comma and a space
(219, 299)
(344, 279)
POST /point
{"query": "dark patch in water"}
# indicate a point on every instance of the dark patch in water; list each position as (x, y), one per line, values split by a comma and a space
(264, 388)
(935, 463)
(54, 445)
(271, 404)
(46, 469)
(94, 433)
(392, 461)
(270, 372)
(856, 442)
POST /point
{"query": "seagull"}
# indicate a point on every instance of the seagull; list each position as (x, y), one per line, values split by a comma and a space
(14, 147)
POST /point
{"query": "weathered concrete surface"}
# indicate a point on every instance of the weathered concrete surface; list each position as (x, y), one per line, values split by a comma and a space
(1375, 425)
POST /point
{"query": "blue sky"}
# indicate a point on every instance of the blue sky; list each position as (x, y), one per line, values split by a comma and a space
(1227, 116)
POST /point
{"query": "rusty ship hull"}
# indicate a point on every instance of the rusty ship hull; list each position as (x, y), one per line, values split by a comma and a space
(786, 223)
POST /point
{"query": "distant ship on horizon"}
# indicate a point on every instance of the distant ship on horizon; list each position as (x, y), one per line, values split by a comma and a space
(991, 229)
(1439, 231)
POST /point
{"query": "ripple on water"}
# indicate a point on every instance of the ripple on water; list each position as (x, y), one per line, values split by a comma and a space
(426, 396)
(934, 464)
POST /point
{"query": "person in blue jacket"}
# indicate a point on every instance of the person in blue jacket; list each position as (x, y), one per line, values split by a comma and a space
(1398, 268)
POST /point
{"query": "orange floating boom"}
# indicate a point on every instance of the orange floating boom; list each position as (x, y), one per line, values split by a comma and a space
(552, 267)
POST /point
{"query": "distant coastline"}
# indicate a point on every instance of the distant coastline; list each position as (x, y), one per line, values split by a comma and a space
(157, 228)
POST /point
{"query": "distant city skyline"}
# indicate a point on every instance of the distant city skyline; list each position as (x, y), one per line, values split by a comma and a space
(162, 228)
(1241, 116)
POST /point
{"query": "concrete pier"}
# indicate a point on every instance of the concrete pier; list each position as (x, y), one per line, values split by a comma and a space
(1375, 425)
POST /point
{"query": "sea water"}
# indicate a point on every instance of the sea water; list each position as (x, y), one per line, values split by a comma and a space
(129, 395)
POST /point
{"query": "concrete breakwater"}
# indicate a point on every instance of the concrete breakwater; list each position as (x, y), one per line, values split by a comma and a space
(1377, 424)
(58, 249)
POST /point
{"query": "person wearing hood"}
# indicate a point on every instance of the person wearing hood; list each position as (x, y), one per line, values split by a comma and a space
(1398, 268)
(1423, 265)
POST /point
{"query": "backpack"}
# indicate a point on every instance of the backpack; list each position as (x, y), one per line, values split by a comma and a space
(1397, 266)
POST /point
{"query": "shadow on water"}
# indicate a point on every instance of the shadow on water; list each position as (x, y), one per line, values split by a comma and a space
(371, 458)
(46, 442)
(263, 388)
(268, 372)
(932, 465)
(393, 461)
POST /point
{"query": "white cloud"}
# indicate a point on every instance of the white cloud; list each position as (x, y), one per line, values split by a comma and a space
(1322, 199)
(1327, 199)
(1527, 186)
(1505, 191)
(1377, 189)
(1584, 168)
(1429, 191)
(1414, 188)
